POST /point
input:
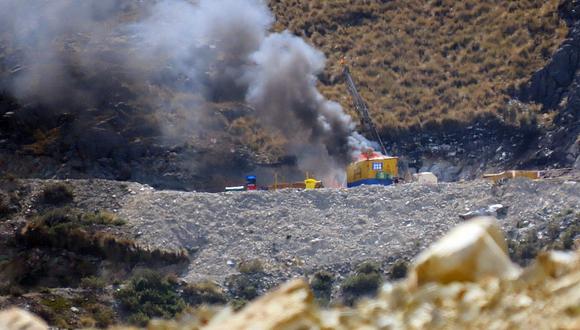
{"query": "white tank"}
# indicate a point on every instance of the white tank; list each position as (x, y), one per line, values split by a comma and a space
(425, 178)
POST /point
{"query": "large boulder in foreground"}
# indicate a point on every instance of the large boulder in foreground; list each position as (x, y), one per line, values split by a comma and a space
(470, 252)
(289, 307)
(19, 319)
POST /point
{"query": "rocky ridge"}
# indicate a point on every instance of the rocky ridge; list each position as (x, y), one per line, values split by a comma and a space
(454, 284)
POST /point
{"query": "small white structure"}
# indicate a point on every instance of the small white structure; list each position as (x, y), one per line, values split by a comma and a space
(425, 178)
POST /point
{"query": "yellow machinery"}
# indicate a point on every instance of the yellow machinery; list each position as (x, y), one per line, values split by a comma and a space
(309, 183)
(312, 183)
(372, 168)
(495, 177)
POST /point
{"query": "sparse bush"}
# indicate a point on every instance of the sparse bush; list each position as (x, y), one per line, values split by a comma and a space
(522, 251)
(204, 293)
(55, 310)
(6, 205)
(364, 282)
(149, 295)
(93, 283)
(321, 284)
(399, 269)
(243, 286)
(433, 65)
(251, 266)
(238, 304)
(322, 281)
(102, 218)
(57, 194)
(71, 230)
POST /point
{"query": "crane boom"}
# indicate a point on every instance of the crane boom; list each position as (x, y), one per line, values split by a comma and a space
(362, 110)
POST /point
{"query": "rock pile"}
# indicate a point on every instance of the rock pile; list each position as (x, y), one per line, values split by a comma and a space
(463, 281)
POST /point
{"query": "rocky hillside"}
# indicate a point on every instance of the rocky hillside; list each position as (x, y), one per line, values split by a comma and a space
(464, 280)
(431, 62)
(458, 89)
(72, 239)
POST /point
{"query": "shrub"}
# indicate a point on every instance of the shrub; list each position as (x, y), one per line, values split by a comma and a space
(243, 286)
(204, 293)
(364, 282)
(101, 314)
(361, 284)
(251, 267)
(57, 194)
(322, 281)
(102, 218)
(6, 206)
(93, 283)
(321, 284)
(399, 269)
(568, 237)
(368, 267)
(525, 250)
(149, 295)
(238, 304)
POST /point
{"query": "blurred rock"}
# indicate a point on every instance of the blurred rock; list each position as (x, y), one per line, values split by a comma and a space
(470, 252)
(19, 319)
(289, 307)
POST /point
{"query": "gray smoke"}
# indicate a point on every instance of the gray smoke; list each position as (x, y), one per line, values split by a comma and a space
(282, 88)
(176, 54)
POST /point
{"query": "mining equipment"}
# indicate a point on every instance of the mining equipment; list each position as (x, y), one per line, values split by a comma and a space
(372, 168)
(506, 175)
(251, 182)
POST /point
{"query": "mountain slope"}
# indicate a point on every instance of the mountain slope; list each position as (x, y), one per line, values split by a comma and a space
(428, 61)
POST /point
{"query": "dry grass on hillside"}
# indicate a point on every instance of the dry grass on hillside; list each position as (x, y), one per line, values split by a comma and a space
(419, 61)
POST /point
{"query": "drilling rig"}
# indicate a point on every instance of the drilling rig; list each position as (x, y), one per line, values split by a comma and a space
(372, 168)
(362, 110)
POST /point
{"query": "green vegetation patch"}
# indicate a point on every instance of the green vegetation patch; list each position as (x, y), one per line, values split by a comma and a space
(364, 282)
(150, 295)
(399, 269)
(79, 232)
(206, 292)
(57, 194)
(251, 266)
(321, 283)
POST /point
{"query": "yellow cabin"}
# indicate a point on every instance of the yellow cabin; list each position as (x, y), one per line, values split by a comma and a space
(372, 168)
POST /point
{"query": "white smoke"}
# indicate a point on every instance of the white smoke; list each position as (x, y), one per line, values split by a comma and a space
(221, 50)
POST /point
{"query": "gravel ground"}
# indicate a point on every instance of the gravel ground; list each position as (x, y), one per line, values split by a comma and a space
(294, 232)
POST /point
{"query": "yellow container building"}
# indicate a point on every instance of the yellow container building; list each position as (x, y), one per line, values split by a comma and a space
(372, 169)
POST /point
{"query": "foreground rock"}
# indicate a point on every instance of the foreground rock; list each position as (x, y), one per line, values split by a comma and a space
(464, 281)
(546, 295)
(18, 319)
(470, 252)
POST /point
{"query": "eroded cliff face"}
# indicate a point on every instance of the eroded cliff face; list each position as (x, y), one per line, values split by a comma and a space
(557, 88)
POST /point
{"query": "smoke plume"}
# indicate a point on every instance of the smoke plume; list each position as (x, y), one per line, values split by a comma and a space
(176, 53)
